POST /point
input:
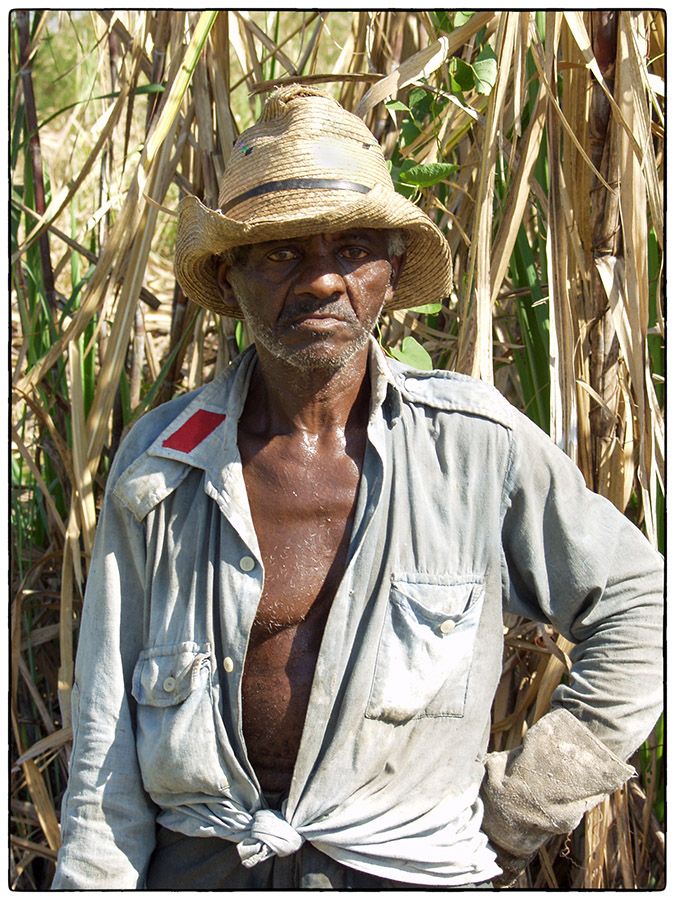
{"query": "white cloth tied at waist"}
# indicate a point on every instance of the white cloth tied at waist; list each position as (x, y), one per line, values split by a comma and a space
(270, 834)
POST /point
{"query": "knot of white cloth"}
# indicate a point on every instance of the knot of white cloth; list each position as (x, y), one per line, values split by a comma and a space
(270, 834)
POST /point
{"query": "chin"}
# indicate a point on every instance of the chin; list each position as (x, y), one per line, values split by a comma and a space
(319, 357)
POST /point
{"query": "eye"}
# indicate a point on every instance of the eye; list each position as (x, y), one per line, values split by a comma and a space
(281, 254)
(354, 253)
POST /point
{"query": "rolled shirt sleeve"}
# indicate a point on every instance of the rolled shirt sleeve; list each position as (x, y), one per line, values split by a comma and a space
(108, 821)
(572, 559)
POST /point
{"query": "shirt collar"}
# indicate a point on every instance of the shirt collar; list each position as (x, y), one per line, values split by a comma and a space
(384, 381)
(208, 425)
(204, 434)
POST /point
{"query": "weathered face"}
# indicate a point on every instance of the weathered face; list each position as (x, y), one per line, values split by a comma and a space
(313, 301)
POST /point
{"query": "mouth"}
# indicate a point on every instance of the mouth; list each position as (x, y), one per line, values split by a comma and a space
(318, 320)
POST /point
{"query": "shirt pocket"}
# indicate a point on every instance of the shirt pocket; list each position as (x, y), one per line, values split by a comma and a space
(426, 649)
(176, 733)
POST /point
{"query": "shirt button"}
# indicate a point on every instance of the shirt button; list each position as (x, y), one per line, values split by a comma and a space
(247, 563)
(228, 664)
(447, 626)
(169, 684)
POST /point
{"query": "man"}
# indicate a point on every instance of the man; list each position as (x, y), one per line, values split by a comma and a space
(293, 628)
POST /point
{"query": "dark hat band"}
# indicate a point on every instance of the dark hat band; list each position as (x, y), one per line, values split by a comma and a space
(297, 184)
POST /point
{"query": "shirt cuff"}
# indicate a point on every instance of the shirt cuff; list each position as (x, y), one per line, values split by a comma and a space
(544, 787)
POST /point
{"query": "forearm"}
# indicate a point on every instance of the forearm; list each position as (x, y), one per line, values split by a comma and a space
(108, 821)
(616, 684)
(572, 559)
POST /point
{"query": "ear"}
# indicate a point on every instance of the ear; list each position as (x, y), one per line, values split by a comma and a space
(397, 263)
(225, 285)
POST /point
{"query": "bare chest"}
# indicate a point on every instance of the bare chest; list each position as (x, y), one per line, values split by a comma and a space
(302, 507)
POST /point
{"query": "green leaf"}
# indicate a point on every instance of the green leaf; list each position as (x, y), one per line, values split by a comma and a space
(413, 354)
(417, 95)
(462, 75)
(428, 174)
(409, 131)
(240, 336)
(461, 18)
(146, 89)
(420, 102)
(406, 190)
(441, 20)
(429, 309)
(485, 70)
(396, 105)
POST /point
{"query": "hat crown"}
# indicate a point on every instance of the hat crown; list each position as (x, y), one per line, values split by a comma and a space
(306, 167)
(305, 134)
(278, 101)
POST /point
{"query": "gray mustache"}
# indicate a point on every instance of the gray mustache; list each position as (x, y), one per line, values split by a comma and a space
(339, 310)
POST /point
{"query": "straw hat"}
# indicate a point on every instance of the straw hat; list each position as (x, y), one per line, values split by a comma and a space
(306, 167)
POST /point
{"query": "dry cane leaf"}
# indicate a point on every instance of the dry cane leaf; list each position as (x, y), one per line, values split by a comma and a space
(51, 742)
(44, 807)
(518, 196)
(39, 480)
(267, 42)
(577, 27)
(482, 363)
(82, 480)
(33, 847)
(563, 119)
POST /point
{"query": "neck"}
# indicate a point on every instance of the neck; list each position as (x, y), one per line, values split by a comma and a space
(284, 399)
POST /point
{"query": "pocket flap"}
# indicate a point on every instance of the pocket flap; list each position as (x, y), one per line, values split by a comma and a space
(432, 601)
(164, 676)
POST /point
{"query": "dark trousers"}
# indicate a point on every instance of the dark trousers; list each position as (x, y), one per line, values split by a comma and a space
(182, 863)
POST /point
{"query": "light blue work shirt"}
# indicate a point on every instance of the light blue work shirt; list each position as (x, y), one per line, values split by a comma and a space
(465, 510)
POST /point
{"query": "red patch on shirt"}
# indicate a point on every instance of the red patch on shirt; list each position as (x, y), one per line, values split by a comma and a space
(191, 433)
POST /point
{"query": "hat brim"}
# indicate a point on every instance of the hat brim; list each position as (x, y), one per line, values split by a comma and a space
(204, 234)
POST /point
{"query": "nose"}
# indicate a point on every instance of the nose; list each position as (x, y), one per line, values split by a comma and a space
(319, 278)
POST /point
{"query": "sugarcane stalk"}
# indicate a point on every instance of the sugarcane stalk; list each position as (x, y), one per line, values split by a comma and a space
(35, 153)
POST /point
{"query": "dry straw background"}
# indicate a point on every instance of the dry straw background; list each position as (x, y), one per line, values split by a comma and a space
(535, 140)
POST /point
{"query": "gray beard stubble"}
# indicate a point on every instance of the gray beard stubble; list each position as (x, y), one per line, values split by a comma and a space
(309, 358)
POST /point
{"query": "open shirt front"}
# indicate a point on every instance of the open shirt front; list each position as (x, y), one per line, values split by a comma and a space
(465, 509)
